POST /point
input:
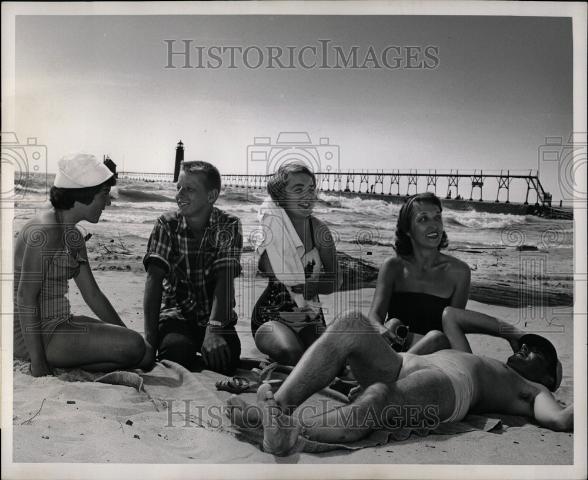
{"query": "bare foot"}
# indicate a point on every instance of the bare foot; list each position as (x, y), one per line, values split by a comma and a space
(243, 414)
(280, 433)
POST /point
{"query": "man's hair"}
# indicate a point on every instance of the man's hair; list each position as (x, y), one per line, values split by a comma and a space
(276, 184)
(545, 348)
(64, 198)
(210, 174)
(402, 245)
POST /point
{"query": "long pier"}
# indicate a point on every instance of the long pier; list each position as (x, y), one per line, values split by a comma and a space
(458, 189)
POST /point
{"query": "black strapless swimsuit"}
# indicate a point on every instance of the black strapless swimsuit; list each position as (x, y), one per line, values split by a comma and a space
(421, 312)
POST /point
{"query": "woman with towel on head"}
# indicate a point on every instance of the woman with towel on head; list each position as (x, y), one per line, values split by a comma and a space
(415, 286)
(298, 255)
(49, 251)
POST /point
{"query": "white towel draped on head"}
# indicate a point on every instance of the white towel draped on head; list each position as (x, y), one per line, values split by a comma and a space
(277, 236)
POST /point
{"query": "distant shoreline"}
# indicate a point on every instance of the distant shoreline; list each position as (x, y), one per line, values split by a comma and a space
(513, 208)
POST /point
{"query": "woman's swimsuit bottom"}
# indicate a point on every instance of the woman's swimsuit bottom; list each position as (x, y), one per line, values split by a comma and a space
(276, 300)
(53, 302)
(421, 312)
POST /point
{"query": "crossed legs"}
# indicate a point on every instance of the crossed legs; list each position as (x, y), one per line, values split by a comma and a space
(383, 402)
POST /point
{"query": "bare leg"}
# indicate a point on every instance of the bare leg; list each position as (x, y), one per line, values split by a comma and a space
(350, 338)
(432, 342)
(96, 345)
(279, 342)
(419, 401)
(422, 399)
(281, 435)
(99, 367)
(146, 363)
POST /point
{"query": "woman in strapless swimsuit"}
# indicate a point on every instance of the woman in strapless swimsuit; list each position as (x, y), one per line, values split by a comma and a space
(416, 285)
(50, 250)
(282, 329)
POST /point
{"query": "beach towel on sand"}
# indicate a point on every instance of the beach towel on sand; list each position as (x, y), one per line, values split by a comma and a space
(171, 396)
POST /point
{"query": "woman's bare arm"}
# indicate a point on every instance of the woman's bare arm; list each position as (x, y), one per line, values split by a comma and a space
(92, 294)
(330, 280)
(458, 322)
(462, 276)
(33, 264)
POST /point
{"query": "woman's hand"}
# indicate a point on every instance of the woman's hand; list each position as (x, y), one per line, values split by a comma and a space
(308, 289)
(389, 332)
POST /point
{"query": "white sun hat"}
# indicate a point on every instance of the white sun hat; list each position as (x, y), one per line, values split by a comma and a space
(81, 170)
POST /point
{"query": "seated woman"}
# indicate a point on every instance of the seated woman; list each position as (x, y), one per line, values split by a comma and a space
(49, 251)
(415, 286)
(298, 255)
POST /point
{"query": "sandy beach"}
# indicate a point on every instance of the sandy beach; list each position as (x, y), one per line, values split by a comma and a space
(56, 419)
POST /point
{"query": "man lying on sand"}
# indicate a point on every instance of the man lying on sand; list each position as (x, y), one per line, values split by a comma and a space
(192, 258)
(441, 387)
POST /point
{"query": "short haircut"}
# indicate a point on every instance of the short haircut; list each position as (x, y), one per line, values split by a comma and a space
(402, 245)
(64, 198)
(546, 348)
(276, 184)
(211, 175)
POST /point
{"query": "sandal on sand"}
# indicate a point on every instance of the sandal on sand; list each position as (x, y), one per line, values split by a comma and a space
(238, 385)
(235, 385)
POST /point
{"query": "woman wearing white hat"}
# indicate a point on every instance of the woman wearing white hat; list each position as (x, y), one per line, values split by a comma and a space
(49, 251)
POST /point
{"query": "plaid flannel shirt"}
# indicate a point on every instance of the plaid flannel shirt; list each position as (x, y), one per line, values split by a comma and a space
(191, 269)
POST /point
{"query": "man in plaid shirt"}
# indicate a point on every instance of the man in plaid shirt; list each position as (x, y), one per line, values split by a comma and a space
(192, 258)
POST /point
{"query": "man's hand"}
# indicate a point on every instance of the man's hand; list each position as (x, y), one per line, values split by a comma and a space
(215, 351)
(514, 344)
(40, 368)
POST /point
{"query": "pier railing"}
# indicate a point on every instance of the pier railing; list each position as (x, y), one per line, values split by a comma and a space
(457, 185)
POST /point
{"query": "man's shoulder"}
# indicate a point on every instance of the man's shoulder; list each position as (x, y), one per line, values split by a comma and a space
(169, 217)
(224, 218)
(168, 220)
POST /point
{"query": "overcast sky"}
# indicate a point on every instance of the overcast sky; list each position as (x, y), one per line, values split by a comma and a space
(98, 84)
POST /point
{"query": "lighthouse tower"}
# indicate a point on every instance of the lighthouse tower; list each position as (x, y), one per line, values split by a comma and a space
(179, 160)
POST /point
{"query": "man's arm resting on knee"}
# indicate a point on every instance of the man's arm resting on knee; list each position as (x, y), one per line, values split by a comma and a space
(152, 303)
(458, 322)
(550, 414)
(215, 349)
